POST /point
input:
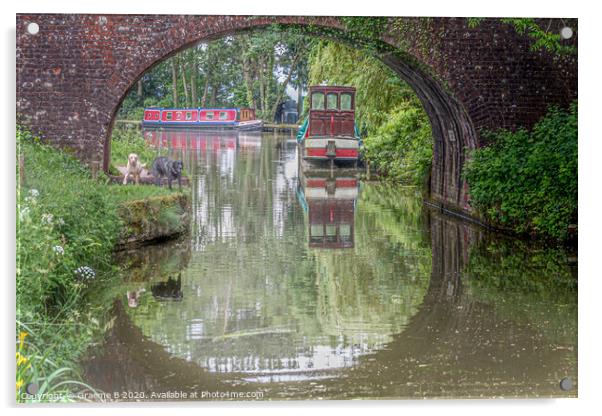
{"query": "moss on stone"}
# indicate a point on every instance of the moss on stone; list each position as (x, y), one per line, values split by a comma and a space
(154, 218)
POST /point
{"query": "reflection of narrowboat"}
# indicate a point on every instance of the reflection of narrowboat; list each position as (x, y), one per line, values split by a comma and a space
(330, 206)
(192, 139)
(330, 133)
(202, 118)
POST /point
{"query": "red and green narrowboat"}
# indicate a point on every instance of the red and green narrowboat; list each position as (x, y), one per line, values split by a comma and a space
(212, 119)
(329, 133)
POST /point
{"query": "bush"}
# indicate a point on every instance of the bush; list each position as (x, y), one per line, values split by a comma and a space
(402, 147)
(527, 181)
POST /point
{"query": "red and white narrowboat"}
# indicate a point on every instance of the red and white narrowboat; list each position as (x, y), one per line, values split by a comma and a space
(214, 119)
(330, 133)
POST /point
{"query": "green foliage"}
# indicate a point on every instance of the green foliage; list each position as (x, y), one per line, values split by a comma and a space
(528, 180)
(401, 148)
(542, 39)
(65, 220)
(34, 365)
(126, 141)
(368, 27)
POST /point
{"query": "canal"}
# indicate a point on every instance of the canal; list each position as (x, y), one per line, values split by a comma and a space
(305, 284)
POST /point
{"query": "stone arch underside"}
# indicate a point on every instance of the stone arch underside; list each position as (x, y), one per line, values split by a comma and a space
(73, 75)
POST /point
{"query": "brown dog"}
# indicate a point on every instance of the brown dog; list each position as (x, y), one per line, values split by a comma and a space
(134, 168)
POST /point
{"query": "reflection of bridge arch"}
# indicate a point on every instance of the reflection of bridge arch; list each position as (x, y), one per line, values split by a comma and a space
(453, 347)
(73, 75)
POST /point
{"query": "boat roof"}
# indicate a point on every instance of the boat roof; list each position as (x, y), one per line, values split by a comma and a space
(198, 109)
(325, 88)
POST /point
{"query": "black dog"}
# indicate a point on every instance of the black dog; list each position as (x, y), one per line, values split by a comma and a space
(170, 290)
(171, 169)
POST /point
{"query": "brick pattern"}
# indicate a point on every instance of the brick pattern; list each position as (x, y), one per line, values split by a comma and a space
(74, 73)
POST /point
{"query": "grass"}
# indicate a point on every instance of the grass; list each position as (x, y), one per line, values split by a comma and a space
(67, 226)
(126, 141)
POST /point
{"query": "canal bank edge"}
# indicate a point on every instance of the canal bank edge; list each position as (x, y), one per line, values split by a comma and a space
(153, 219)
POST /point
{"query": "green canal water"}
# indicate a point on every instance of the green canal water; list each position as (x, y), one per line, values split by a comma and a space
(300, 284)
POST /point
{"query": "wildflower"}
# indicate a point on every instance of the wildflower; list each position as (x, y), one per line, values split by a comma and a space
(23, 213)
(30, 200)
(19, 383)
(34, 193)
(22, 336)
(60, 221)
(58, 250)
(47, 218)
(85, 272)
(21, 359)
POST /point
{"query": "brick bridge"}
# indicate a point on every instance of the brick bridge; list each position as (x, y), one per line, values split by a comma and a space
(74, 73)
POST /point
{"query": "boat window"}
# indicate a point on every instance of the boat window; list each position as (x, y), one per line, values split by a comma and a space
(331, 230)
(178, 115)
(168, 115)
(317, 230)
(345, 232)
(317, 101)
(223, 115)
(331, 101)
(209, 115)
(346, 101)
(188, 116)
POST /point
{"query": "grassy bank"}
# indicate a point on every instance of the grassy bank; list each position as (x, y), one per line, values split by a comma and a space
(526, 181)
(67, 226)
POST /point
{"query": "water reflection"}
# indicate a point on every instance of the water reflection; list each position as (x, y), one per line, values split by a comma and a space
(408, 303)
(328, 200)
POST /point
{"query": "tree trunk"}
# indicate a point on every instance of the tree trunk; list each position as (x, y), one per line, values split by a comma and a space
(174, 82)
(213, 95)
(248, 81)
(183, 70)
(299, 100)
(284, 85)
(193, 76)
(261, 89)
(205, 91)
(139, 92)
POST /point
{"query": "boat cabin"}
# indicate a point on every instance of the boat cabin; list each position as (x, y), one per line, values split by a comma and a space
(332, 111)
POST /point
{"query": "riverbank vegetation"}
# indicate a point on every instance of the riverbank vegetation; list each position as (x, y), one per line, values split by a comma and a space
(67, 227)
(527, 180)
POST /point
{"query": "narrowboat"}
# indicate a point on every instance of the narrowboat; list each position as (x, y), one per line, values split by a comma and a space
(214, 119)
(329, 203)
(329, 133)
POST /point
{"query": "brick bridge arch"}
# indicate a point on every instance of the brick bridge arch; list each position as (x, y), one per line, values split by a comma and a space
(74, 73)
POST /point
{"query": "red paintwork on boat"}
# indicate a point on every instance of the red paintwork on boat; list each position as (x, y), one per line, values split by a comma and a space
(339, 153)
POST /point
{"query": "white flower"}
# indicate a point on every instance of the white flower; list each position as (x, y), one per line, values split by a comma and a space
(58, 250)
(47, 218)
(23, 213)
(30, 200)
(60, 221)
(85, 272)
(34, 193)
